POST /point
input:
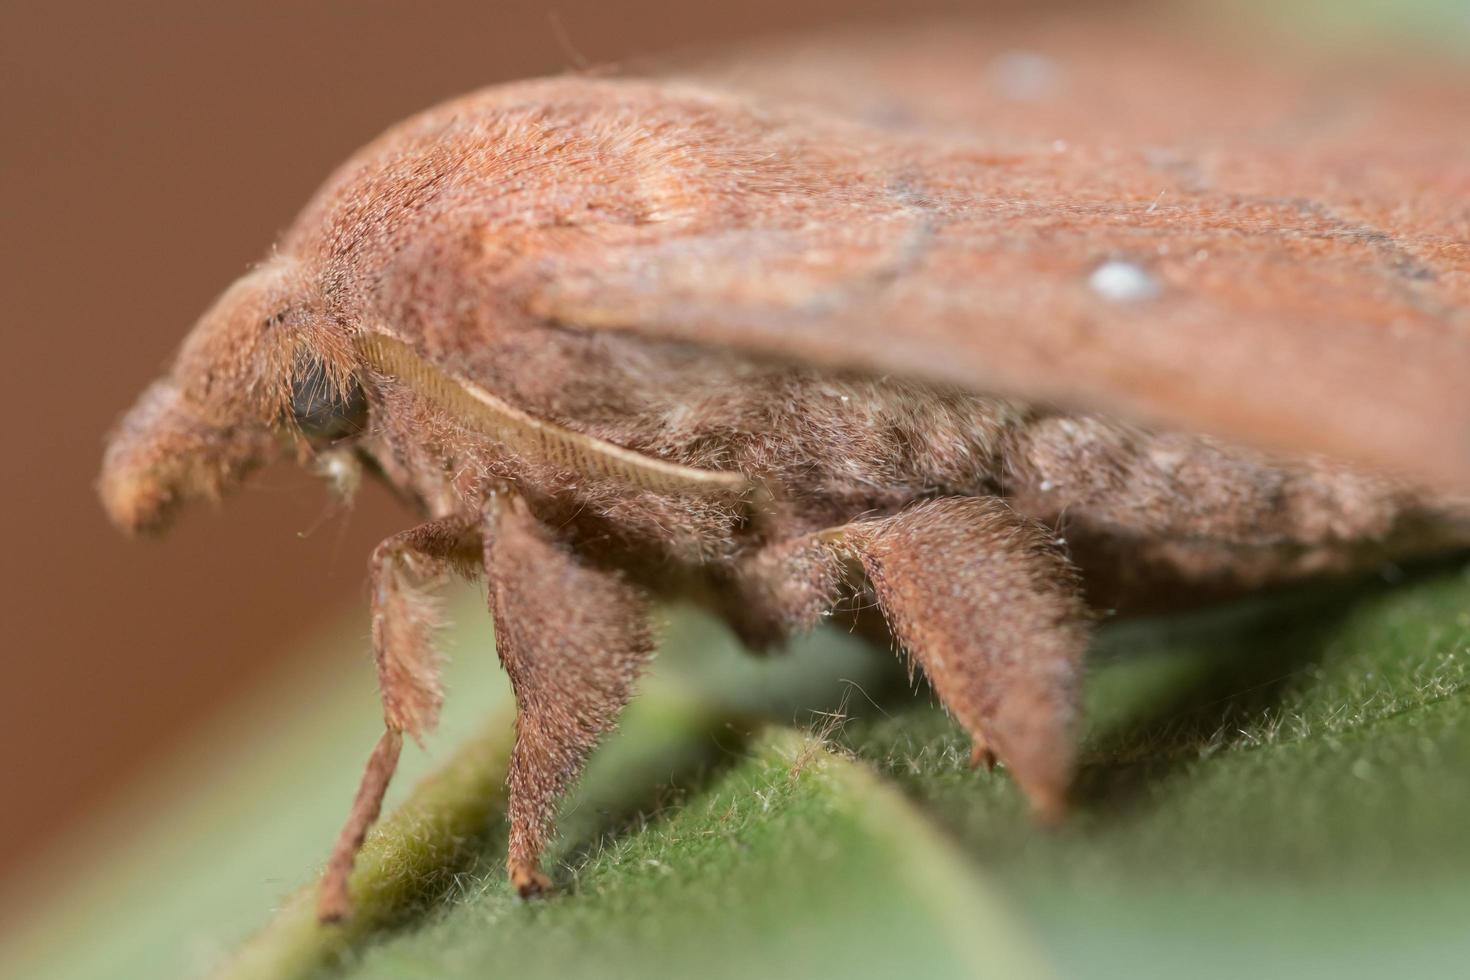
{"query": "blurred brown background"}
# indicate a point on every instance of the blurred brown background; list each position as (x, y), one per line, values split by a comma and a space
(152, 150)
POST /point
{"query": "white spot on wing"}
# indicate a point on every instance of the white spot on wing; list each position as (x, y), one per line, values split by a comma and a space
(1123, 282)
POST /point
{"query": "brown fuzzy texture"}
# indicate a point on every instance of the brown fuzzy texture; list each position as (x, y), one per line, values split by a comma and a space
(403, 571)
(776, 591)
(986, 602)
(873, 307)
(333, 901)
(573, 639)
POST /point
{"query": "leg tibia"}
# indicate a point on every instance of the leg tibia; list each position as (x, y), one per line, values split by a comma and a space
(333, 902)
(403, 570)
(983, 600)
(990, 608)
(572, 638)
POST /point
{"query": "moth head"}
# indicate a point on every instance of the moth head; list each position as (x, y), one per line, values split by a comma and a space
(259, 373)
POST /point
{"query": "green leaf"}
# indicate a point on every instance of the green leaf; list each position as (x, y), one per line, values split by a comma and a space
(1281, 785)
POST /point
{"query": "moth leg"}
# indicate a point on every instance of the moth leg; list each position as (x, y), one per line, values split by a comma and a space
(980, 597)
(981, 754)
(988, 605)
(403, 571)
(782, 589)
(573, 638)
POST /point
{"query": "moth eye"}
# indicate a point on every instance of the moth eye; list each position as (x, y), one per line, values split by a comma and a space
(322, 412)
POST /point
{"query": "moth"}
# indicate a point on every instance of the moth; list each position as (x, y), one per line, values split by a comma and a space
(871, 316)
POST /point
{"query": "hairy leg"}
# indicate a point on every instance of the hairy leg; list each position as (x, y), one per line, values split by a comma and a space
(989, 606)
(982, 599)
(783, 589)
(403, 571)
(573, 639)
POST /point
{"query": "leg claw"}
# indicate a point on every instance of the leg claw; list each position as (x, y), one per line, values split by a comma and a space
(528, 882)
(981, 755)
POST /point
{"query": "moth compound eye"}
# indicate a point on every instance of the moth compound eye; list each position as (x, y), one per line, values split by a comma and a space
(323, 411)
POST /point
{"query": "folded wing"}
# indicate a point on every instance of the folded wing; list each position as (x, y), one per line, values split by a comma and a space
(1297, 278)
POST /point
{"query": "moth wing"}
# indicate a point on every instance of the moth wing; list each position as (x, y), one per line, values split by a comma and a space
(1276, 279)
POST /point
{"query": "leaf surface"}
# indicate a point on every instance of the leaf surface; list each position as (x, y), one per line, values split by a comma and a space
(1280, 784)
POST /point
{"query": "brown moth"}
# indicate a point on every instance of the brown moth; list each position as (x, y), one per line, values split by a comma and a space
(871, 316)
